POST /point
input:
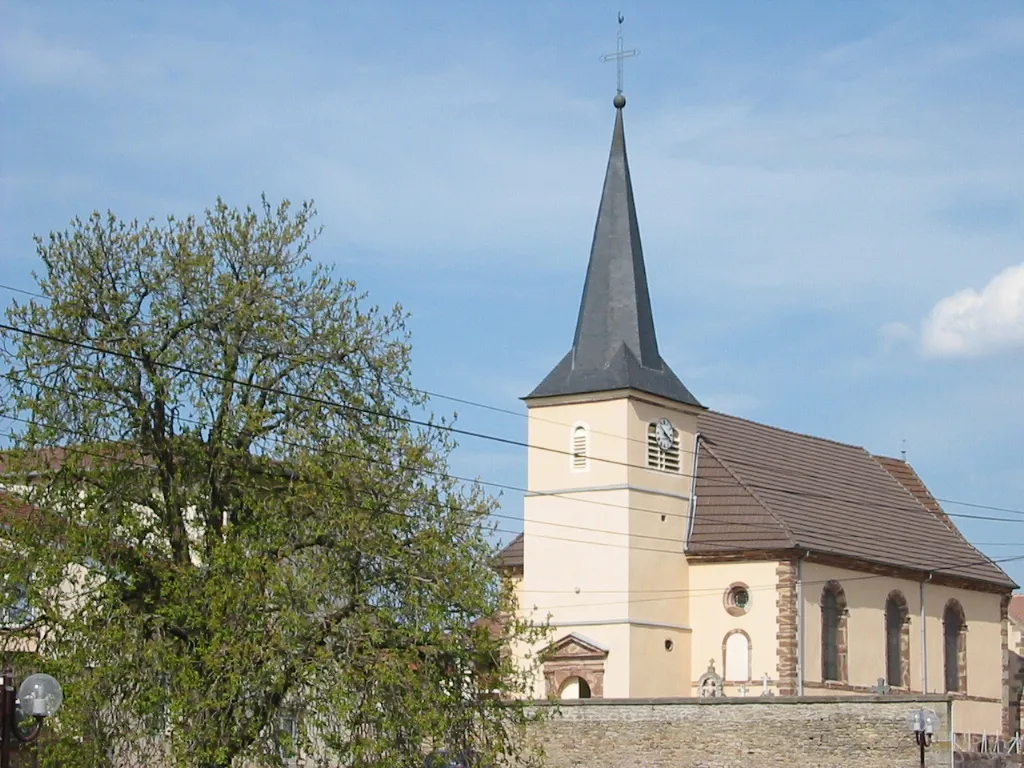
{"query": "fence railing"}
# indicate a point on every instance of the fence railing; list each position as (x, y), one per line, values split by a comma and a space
(988, 743)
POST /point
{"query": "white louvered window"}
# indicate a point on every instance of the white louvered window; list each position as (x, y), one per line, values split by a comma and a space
(658, 457)
(579, 448)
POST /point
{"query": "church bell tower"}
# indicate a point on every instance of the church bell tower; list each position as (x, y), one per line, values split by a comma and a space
(610, 473)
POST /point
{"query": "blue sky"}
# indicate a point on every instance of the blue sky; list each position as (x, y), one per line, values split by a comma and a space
(830, 194)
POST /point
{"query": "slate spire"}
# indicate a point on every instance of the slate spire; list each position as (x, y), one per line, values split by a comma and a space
(615, 346)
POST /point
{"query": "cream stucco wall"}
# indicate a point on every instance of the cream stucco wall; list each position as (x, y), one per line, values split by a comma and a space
(659, 661)
(603, 557)
(603, 551)
(711, 622)
(866, 594)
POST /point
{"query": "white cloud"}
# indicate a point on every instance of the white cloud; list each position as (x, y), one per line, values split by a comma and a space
(978, 323)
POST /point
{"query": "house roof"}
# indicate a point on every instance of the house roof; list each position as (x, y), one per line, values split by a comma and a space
(615, 345)
(1016, 610)
(761, 488)
(13, 508)
(512, 555)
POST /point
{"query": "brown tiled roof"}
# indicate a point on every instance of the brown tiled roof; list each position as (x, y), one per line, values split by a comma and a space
(760, 487)
(511, 557)
(13, 508)
(1016, 610)
(906, 476)
(731, 515)
(53, 459)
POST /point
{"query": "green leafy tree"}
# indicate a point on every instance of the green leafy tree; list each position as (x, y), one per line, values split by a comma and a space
(243, 541)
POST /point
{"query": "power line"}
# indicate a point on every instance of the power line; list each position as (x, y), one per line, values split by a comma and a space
(418, 422)
(437, 395)
(440, 507)
(285, 393)
(443, 475)
(300, 396)
(671, 540)
(753, 542)
(674, 593)
(471, 433)
(745, 545)
(429, 425)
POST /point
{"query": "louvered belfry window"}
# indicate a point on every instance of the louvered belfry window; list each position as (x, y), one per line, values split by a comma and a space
(657, 457)
(579, 448)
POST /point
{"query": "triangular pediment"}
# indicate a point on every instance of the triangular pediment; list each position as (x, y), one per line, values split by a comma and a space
(574, 646)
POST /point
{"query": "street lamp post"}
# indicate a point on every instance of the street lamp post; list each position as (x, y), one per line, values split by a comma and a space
(39, 697)
(923, 723)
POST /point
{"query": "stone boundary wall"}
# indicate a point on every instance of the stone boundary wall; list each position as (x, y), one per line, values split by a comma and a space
(762, 732)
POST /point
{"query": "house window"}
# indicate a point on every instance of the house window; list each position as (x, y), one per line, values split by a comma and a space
(954, 647)
(833, 633)
(663, 446)
(288, 735)
(579, 448)
(17, 611)
(897, 640)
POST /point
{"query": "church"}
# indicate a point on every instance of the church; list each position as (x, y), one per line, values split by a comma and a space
(675, 551)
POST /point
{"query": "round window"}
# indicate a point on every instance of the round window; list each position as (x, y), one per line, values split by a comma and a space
(737, 599)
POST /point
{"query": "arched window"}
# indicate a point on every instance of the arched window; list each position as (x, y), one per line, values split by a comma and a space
(579, 447)
(833, 632)
(897, 640)
(954, 647)
(575, 688)
(736, 656)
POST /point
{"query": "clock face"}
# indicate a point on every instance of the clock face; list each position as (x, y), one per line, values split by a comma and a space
(666, 434)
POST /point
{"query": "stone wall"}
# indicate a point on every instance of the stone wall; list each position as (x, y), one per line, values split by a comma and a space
(969, 760)
(818, 732)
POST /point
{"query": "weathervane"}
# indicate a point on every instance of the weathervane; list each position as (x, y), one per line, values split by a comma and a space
(620, 54)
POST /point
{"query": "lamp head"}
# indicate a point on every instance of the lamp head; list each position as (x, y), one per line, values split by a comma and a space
(923, 721)
(915, 721)
(40, 695)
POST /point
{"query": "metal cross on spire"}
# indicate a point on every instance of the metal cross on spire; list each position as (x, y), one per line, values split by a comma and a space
(620, 54)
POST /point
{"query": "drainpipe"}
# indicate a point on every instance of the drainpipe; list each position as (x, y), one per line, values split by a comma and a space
(924, 640)
(800, 625)
(693, 489)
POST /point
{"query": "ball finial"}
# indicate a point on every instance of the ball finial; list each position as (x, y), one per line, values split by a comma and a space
(619, 101)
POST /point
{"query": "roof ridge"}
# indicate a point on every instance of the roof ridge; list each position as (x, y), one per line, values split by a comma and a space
(788, 431)
(892, 458)
(942, 516)
(753, 494)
